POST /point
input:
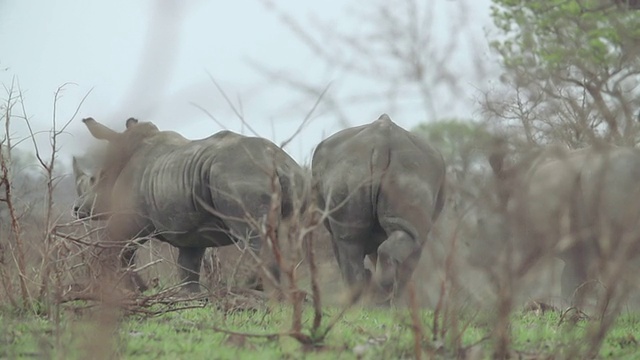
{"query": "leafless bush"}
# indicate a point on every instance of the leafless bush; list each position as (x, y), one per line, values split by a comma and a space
(394, 52)
(395, 49)
(568, 82)
(34, 260)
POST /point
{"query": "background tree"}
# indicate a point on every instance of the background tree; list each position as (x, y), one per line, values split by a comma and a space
(408, 58)
(462, 142)
(29, 190)
(570, 76)
(570, 70)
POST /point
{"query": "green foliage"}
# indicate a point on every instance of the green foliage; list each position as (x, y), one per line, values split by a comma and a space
(361, 333)
(581, 35)
(21, 160)
(574, 64)
(460, 141)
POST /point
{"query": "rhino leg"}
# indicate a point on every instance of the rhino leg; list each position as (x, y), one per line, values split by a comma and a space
(128, 260)
(398, 256)
(123, 227)
(255, 281)
(574, 283)
(189, 261)
(574, 274)
(350, 254)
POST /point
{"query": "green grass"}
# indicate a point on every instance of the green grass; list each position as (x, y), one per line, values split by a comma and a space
(372, 333)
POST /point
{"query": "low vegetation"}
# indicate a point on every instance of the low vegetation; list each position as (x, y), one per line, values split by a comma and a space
(50, 306)
(455, 306)
(261, 332)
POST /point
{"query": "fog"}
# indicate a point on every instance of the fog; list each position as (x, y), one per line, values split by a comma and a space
(155, 60)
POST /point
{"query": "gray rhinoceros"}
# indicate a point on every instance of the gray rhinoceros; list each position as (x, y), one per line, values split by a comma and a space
(580, 205)
(192, 194)
(381, 188)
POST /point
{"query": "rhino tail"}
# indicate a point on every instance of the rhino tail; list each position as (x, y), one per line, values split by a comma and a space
(288, 193)
(440, 199)
(579, 211)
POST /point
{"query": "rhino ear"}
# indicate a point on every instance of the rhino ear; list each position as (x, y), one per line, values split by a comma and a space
(496, 160)
(498, 153)
(76, 168)
(131, 121)
(100, 131)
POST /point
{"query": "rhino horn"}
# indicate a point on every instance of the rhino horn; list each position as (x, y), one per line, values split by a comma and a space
(100, 131)
(76, 168)
(130, 122)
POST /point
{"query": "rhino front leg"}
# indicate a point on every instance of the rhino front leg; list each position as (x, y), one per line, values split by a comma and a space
(398, 257)
(256, 280)
(128, 259)
(189, 261)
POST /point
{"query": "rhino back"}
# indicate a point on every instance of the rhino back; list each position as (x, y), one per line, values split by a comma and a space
(355, 165)
(611, 187)
(346, 168)
(542, 201)
(183, 187)
(250, 170)
(170, 182)
(411, 193)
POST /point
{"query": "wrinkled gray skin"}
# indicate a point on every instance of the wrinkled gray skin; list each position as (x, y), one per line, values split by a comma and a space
(578, 205)
(191, 194)
(383, 187)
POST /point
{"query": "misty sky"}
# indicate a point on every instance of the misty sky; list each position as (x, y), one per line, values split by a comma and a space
(152, 60)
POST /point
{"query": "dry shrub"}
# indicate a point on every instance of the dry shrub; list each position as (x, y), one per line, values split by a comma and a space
(37, 266)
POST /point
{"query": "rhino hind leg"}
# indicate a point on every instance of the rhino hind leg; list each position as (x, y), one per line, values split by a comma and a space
(189, 261)
(350, 253)
(574, 278)
(397, 258)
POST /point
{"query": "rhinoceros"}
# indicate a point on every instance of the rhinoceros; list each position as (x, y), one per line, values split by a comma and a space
(579, 205)
(381, 188)
(192, 194)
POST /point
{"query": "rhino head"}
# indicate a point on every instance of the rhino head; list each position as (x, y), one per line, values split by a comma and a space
(85, 191)
(94, 190)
